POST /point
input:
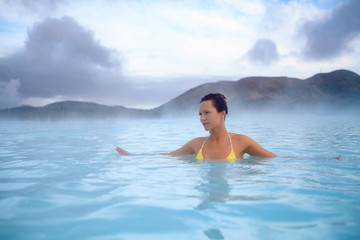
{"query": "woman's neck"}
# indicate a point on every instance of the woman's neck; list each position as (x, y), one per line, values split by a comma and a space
(218, 133)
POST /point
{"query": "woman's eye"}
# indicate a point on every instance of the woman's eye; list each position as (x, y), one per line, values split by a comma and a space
(205, 113)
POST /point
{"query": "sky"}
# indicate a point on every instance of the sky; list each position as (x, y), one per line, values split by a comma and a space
(143, 53)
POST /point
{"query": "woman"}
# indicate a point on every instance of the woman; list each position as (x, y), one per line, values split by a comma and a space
(220, 144)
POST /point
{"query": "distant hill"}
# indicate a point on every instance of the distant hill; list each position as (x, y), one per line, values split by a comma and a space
(74, 109)
(333, 91)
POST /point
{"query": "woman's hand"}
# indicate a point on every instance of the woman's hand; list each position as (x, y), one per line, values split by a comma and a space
(121, 151)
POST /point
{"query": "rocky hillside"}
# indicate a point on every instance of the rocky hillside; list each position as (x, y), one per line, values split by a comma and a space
(336, 90)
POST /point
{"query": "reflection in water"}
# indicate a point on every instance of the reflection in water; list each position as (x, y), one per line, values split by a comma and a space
(214, 187)
(214, 233)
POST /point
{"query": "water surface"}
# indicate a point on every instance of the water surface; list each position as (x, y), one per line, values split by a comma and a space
(64, 180)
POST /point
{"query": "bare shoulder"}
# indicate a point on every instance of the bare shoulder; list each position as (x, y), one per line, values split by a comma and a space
(199, 139)
(240, 137)
(190, 147)
(241, 140)
(197, 142)
(250, 146)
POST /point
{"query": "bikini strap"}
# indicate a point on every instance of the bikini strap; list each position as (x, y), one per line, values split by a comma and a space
(204, 143)
(202, 146)
(230, 142)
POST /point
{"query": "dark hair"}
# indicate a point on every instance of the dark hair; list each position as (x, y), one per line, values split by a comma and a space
(219, 101)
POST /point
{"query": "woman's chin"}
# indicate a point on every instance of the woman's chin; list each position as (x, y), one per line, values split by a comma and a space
(206, 129)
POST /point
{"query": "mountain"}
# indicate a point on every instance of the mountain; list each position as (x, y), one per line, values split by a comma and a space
(74, 109)
(332, 91)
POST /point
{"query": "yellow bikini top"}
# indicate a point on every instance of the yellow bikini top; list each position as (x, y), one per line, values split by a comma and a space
(231, 155)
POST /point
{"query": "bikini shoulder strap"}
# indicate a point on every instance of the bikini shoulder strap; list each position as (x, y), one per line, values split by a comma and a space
(204, 143)
(230, 141)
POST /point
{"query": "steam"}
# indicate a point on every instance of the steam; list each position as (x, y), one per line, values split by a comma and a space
(9, 93)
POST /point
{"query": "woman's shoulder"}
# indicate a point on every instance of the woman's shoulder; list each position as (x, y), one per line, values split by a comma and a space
(239, 137)
(197, 141)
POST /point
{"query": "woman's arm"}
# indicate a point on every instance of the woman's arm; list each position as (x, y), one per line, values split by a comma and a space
(254, 149)
(187, 149)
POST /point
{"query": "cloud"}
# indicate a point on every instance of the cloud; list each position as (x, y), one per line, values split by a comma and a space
(158, 43)
(61, 58)
(264, 51)
(329, 37)
(37, 7)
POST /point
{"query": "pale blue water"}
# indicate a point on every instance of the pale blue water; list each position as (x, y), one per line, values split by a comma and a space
(64, 180)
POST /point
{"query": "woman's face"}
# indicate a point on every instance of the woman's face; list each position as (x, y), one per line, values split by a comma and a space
(209, 116)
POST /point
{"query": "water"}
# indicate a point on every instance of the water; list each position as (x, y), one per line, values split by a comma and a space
(64, 180)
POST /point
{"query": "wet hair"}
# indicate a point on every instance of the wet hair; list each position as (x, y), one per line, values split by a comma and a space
(219, 101)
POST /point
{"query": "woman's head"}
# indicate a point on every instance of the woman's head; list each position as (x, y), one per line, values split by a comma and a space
(219, 101)
(212, 111)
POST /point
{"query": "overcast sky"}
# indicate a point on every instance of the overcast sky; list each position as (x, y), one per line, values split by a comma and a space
(143, 53)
